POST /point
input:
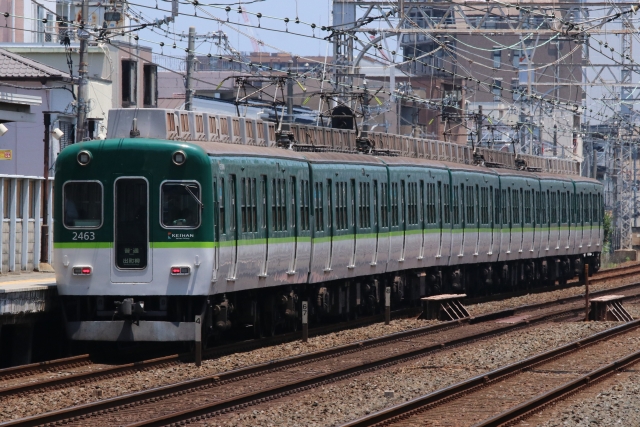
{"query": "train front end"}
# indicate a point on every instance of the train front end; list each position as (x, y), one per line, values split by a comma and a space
(133, 239)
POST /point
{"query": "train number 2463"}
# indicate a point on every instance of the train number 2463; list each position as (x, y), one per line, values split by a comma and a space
(86, 235)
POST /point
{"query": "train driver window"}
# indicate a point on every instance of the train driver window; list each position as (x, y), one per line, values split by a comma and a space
(181, 204)
(82, 206)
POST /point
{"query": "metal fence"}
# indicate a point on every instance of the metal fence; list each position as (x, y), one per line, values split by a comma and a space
(21, 212)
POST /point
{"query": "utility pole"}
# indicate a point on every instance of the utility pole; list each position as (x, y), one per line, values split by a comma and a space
(44, 233)
(555, 140)
(83, 35)
(191, 57)
(290, 94)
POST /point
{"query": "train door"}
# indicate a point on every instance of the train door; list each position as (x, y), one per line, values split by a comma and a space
(376, 226)
(457, 223)
(403, 217)
(216, 231)
(330, 224)
(587, 217)
(133, 259)
(293, 188)
(493, 210)
(233, 227)
(264, 229)
(521, 218)
(353, 224)
(443, 204)
(422, 217)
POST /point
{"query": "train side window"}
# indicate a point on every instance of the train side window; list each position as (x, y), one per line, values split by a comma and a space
(341, 206)
(471, 217)
(412, 207)
(527, 207)
(594, 206)
(394, 204)
(181, 204)
(484, 205)
(249, 205)
(364, 205)
(279, 205)
(82, 204)
(446, 204)
(304, 206)
(456, 205)
(384, 207)
(515, 207)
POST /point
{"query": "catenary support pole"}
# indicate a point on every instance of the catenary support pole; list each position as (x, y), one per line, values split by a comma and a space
(83, 82)
(44, 229)
(191, 56)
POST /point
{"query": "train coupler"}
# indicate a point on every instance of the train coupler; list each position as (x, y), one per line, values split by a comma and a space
(127, 307)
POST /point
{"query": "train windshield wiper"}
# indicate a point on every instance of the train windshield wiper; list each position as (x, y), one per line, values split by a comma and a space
(186, 187)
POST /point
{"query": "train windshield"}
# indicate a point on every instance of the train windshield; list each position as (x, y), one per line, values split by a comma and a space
(131, 222)
(181, 204)
(82, 204)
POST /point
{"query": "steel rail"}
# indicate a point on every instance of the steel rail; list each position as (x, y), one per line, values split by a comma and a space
(404, 410)
(127, 401)
(123, 369)
(33, 368)
(562, 392)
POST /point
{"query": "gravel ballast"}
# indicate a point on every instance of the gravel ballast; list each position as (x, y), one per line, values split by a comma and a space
(337, 403)
(14, 407)
(614, 402)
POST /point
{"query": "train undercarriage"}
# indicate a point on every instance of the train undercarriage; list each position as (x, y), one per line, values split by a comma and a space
(270, 311)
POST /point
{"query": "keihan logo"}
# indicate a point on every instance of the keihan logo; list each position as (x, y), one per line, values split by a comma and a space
(180, 236)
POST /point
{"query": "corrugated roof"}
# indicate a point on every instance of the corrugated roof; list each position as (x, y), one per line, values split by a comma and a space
(14, 66)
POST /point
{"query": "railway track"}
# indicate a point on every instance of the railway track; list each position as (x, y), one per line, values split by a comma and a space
(55, 374)
(209, 396)
(504, 395)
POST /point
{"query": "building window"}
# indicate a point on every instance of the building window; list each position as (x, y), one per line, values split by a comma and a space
(69, 133)
(129, 82)
(496, 89)
(150, 76)
(497, 56)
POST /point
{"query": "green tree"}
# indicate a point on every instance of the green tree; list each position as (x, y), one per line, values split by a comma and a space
(607, 227)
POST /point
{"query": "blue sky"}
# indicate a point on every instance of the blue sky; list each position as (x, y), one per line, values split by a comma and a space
(310, 11)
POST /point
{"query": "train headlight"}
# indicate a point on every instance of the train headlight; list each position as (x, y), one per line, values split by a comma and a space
(84, 158)
(179, 157)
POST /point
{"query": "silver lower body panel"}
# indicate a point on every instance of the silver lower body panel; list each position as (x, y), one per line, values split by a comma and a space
(128, 331)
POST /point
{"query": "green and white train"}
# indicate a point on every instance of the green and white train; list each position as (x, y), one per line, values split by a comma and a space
(183, 214)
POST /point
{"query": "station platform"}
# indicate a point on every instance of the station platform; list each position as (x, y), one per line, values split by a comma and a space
(26, 293)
